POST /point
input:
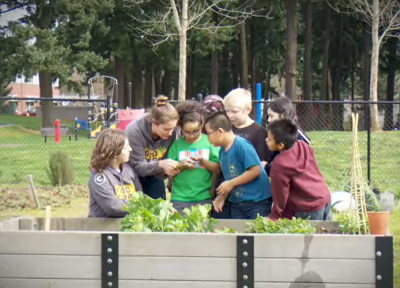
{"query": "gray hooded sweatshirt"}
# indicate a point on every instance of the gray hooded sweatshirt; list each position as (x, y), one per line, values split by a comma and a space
(146, 152)
(111, 190)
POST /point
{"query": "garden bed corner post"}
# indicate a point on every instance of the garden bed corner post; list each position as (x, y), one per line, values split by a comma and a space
(383, 262)
(109, 260)
(245, 262)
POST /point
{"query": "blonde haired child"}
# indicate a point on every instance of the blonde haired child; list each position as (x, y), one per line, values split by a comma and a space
(238, 107)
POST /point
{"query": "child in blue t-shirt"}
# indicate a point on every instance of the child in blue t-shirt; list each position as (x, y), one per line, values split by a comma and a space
(246, 183)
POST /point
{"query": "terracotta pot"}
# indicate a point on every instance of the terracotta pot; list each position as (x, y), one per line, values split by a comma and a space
(378, 222)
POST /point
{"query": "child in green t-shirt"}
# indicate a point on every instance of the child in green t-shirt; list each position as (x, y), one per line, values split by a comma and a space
(193, 183)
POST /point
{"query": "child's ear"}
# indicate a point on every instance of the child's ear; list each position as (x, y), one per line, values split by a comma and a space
(280, 146)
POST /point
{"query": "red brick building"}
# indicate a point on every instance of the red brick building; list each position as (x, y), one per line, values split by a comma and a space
(27, 90)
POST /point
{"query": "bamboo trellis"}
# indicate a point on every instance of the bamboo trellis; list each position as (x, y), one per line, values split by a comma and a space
(359, 186)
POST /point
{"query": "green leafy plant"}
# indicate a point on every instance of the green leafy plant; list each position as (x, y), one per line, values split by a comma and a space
(282, 226)
(157, 215)
(348, 223)
(60, 170)
(225, 230)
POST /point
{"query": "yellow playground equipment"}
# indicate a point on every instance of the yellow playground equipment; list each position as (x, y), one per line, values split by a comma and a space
(100, 115)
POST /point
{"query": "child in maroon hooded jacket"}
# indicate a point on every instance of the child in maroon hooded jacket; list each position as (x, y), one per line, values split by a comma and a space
(295, 178)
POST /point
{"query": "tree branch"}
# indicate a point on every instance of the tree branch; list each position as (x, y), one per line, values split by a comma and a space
(161, 22)
(389, 14)
(176, 16)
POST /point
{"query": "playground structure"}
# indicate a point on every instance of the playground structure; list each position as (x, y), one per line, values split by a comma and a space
(102, 115)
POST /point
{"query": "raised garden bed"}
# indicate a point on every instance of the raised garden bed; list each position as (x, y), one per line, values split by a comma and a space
(89, 253)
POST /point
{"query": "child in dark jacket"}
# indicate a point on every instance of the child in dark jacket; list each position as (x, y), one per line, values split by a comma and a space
(295, 178)
(279, 108)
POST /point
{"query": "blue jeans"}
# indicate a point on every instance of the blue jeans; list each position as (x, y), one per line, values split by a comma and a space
(323, 214)
(153, 187)
(249, 210)
(224, 214)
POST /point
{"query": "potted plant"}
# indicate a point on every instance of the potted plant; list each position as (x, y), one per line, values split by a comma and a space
(378, 217)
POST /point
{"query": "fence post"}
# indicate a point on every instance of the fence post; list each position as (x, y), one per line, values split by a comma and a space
(116, 94)
(369, 142)
(57, 131)
(258, 104)
(108, 107)
(130, 95)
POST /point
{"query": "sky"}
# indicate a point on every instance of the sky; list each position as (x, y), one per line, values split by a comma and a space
(10, 16)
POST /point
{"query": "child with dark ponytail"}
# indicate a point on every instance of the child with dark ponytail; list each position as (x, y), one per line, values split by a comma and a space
(197, 158)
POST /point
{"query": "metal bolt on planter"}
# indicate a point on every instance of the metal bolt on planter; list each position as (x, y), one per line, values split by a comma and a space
(245, 262)
(109, 260)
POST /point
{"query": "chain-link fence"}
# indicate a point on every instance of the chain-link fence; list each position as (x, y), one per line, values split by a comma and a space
(329, 125)
(26, 147)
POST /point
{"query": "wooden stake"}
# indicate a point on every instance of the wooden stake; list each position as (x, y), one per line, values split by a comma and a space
(33, 194)
(48, 218)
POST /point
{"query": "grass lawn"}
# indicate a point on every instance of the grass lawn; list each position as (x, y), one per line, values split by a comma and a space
(23, 151)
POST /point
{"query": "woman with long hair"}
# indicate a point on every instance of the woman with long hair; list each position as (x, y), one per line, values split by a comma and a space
(150, 137)
(112, 182)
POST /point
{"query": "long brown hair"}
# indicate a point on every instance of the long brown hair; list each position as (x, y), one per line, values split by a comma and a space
(108, 146)
(283, 106)
(163, 112)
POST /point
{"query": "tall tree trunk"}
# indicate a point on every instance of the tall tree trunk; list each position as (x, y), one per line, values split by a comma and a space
(148, 87)
(390, 83)
(307, 87)
(291, 51)
(234, 59)
(190, 72)
(323, 109)
(244, 73)
(224, 71)
(182, 51)
(119, 70)
(166, 84)
(365, 73)
(337, 109)
(214, 72)
(137, 82)
(214, 63)
(325, 56)
(375, 66)
(46, 91)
